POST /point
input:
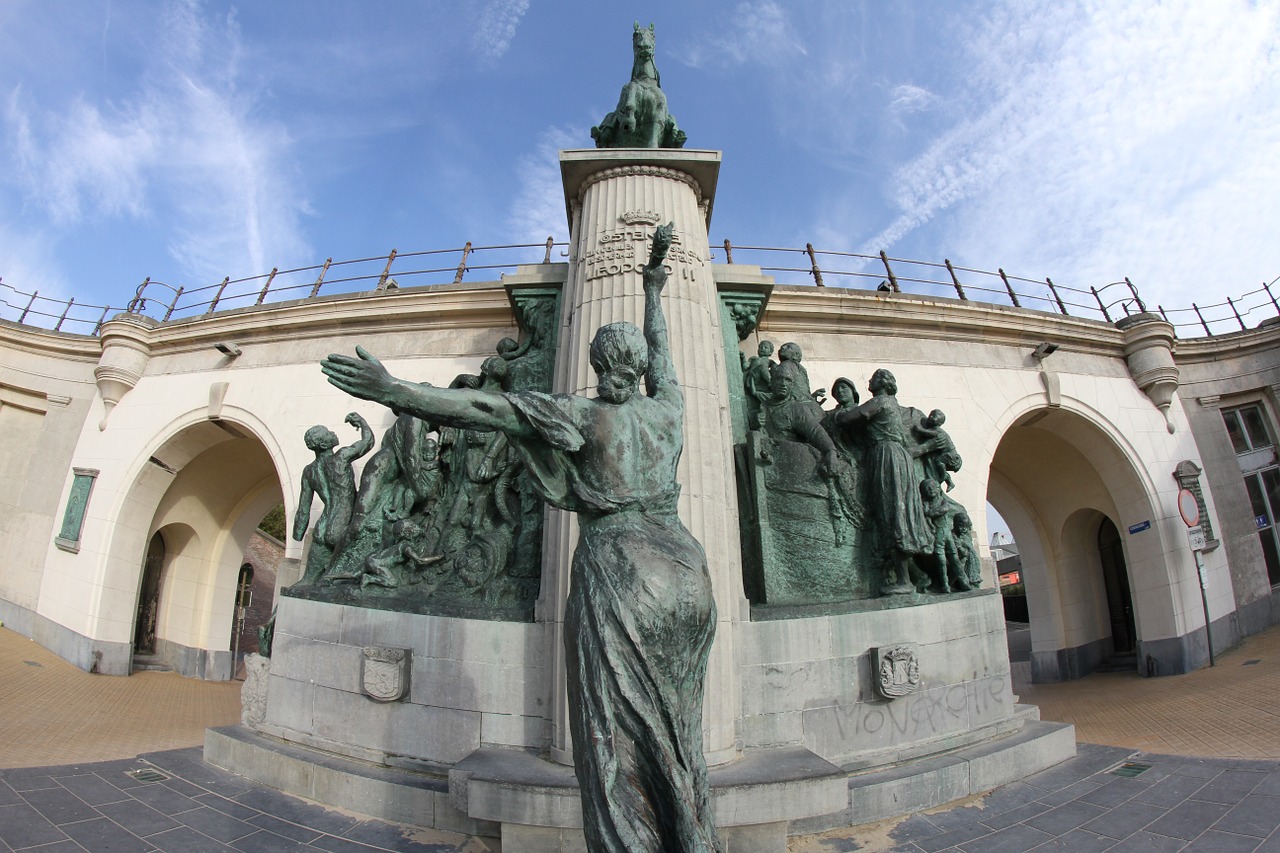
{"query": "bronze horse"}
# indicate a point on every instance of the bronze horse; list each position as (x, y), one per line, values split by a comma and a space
(641, 119)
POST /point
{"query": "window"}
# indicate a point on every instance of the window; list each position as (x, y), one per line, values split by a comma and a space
(1251, 437)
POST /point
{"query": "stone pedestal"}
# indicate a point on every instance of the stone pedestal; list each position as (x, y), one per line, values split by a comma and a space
(614, 200)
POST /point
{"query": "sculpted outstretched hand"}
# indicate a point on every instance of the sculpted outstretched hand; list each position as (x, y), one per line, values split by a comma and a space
(362, 376)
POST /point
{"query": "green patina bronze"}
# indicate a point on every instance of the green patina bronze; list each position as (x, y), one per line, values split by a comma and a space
(844, 504)
(77, 503)
(446, 518)
(641, 119)
(640, 617)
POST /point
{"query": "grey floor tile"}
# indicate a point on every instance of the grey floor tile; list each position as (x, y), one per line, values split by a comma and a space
(1077, 841)
(390, 836)
(224, 828)
(1147, 842)
(1010, 797)
(229, 807)
(1018, 815)
(1188, 820)
(92, 789)
(953, 818)
(1214, 841)
(1171, 791)
(1014, 839)
(1254, 815)
(23, 782)
(263, 841)
(1071, 792)
(8, 796)
(339, 845)
(103, 836)
(1066, 817)
(289, 830)
(1230, 786)
(138, 818)
(298, 811)
(22, 826)
(59, 805)
(1270, 785)
(1117, 791)
(953, 838)
(162, 799)
(1125, 820)
(184, 839)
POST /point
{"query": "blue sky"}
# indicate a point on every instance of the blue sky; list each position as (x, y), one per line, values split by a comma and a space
(188, 141)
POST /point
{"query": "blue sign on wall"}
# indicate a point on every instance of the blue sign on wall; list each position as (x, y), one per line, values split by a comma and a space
(1140, 526)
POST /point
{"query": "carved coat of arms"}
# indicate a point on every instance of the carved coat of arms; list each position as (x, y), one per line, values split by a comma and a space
(897, 670)
(384, 673)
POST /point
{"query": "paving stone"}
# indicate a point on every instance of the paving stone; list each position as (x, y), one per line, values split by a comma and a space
(138, 818)
(301, 834)
(92, 789)
(1254, 815)
(163, 799)
(184, 839)
(216, 824)
(1123, 821)
(1171, 791)
(1078, 841)
(1188, 820)
(1214, 841)
(1018, 815)
(22, 826)
(1230, 786)
(1014, 839)
(103, 835)
(58, 805)
(1148, 842)
(1065, 818)
(266, 842)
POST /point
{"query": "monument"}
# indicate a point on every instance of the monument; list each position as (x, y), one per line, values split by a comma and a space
(698, 613)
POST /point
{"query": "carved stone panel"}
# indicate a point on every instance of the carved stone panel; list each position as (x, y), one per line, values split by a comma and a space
(384, 675)
(896, 670)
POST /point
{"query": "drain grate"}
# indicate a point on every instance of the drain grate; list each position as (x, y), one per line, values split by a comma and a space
(33, 663)
(146, 774)
(1130, 769)
(1252, 662)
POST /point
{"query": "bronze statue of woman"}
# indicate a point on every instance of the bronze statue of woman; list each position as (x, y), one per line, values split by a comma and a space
(640, 617)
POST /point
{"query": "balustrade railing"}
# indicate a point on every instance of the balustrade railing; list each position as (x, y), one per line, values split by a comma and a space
(797, 266)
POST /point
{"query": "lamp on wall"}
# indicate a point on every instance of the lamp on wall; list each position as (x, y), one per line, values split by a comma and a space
(227, 348)
(1043, 350)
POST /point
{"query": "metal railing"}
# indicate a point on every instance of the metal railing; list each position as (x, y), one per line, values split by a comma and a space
(796, 266)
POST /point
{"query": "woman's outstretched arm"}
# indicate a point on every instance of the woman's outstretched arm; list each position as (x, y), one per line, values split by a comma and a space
(662, 371)
(364, 376)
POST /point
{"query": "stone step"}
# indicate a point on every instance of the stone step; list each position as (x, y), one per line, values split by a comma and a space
(150, 663)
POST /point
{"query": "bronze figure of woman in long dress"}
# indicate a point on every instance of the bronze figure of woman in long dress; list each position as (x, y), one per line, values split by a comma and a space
(640, 618)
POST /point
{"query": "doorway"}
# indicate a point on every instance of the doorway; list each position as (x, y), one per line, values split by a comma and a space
(144, 634)
(1115, 577)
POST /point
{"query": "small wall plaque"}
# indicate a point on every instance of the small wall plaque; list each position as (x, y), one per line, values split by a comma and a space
(897, 670)
(384, 673)
(68, 538)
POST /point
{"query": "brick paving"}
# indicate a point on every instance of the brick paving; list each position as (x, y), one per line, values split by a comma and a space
(1203, 750)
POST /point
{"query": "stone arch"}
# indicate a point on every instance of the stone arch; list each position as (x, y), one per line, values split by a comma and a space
(218, 478)
(1055, 473)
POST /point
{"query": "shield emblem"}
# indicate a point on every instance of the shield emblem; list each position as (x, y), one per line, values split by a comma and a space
(897, 670)
(385, 673)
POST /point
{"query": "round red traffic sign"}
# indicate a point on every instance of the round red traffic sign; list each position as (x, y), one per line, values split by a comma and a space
(1188, 508)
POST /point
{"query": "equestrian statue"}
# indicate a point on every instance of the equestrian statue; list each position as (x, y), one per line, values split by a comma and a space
(641, 119)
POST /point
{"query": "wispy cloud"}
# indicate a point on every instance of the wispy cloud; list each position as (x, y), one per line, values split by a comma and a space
(538, 211)
(189, 147)
(497, 27)
(1130, 139)
(757, 32)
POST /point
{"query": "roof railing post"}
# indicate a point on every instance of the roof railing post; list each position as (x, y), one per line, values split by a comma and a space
(462, 264)
(893, 279)
(728, 251)
(315, 288)
(98, 325)
(1103, 308)
(1013, 297)
(30, 302)
(955, 279)
(1196, 308)
(1136, 298)
(262, 294)
(214, 304)
(174, 304)
(1239, 319)
(138, 303)
(58, 326)
(813, 265)
(386, 271)
(1267, 288)
(546, 259)
(1061, 305)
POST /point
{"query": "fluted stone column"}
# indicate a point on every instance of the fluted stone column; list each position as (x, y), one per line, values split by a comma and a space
(614, 199)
